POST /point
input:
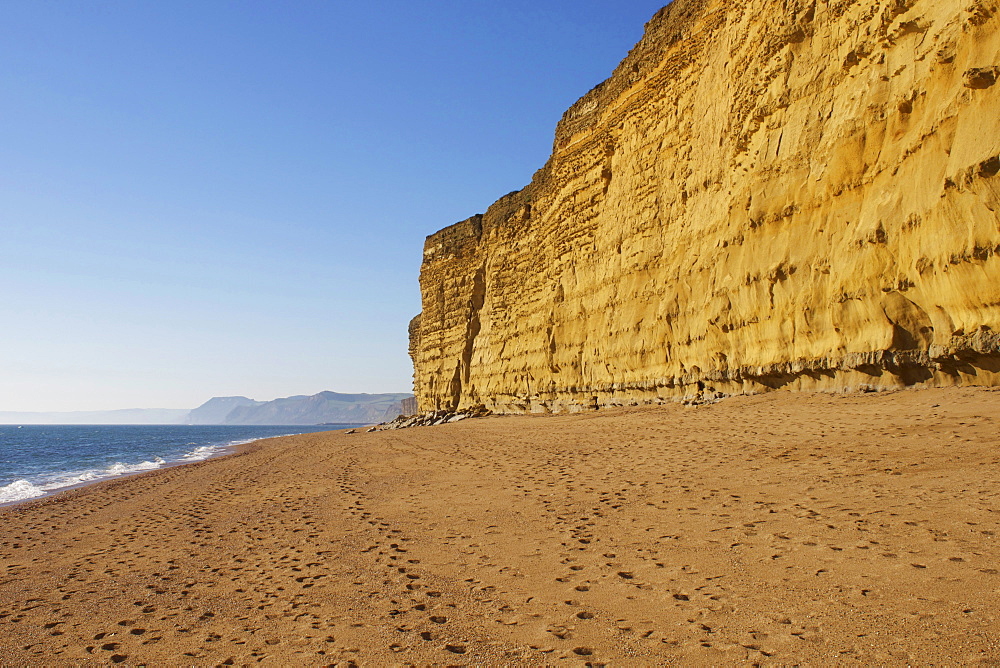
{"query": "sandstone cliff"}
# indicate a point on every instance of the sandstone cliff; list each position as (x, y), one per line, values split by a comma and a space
(770, 194)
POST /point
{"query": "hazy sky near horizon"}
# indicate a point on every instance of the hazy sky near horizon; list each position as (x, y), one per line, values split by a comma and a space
(216, 197)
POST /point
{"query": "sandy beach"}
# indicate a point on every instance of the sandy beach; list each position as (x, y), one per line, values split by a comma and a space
(776, 529)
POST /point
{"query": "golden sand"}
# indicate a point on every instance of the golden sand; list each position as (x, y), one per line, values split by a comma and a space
(774, 529)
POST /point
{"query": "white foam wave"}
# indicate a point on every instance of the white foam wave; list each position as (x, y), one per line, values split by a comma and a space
(19, 490)
(70, 479)
(121, 469)
(202, 452)
(206, 451)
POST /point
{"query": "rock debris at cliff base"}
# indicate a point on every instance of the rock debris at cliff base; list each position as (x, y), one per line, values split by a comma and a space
(764, 195)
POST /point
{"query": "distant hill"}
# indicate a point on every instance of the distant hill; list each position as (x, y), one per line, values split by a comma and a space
(215, 410)
(332, 407)
(320, 408)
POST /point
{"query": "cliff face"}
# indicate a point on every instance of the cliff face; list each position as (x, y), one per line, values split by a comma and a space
(794, 193)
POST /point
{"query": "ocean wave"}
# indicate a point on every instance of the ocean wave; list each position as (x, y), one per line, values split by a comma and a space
(118, 468)
(206, 451)
(121, 469)
(20, 490)
(202, 452)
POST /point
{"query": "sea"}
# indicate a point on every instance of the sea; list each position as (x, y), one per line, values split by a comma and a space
(38, 460)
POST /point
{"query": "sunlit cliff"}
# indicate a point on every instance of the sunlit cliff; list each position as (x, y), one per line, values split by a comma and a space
(767, 194)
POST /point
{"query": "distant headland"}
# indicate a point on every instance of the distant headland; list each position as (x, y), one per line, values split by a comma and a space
(321, 408)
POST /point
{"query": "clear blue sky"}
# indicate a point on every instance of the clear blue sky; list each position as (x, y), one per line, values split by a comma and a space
(230, 197)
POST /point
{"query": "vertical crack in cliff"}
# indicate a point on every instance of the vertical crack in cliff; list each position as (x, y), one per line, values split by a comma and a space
(473, 327)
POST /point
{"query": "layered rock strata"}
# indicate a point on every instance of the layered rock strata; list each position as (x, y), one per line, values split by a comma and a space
(769, 194)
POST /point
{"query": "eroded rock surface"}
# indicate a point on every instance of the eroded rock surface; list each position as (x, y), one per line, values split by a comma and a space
(764, 194)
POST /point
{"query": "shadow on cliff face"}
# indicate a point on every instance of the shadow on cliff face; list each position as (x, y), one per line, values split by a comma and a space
(775, 381)
(971, 364)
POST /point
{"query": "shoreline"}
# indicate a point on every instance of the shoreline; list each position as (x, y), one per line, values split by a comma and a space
(224, 451)
(777, 528)
(55, 495)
